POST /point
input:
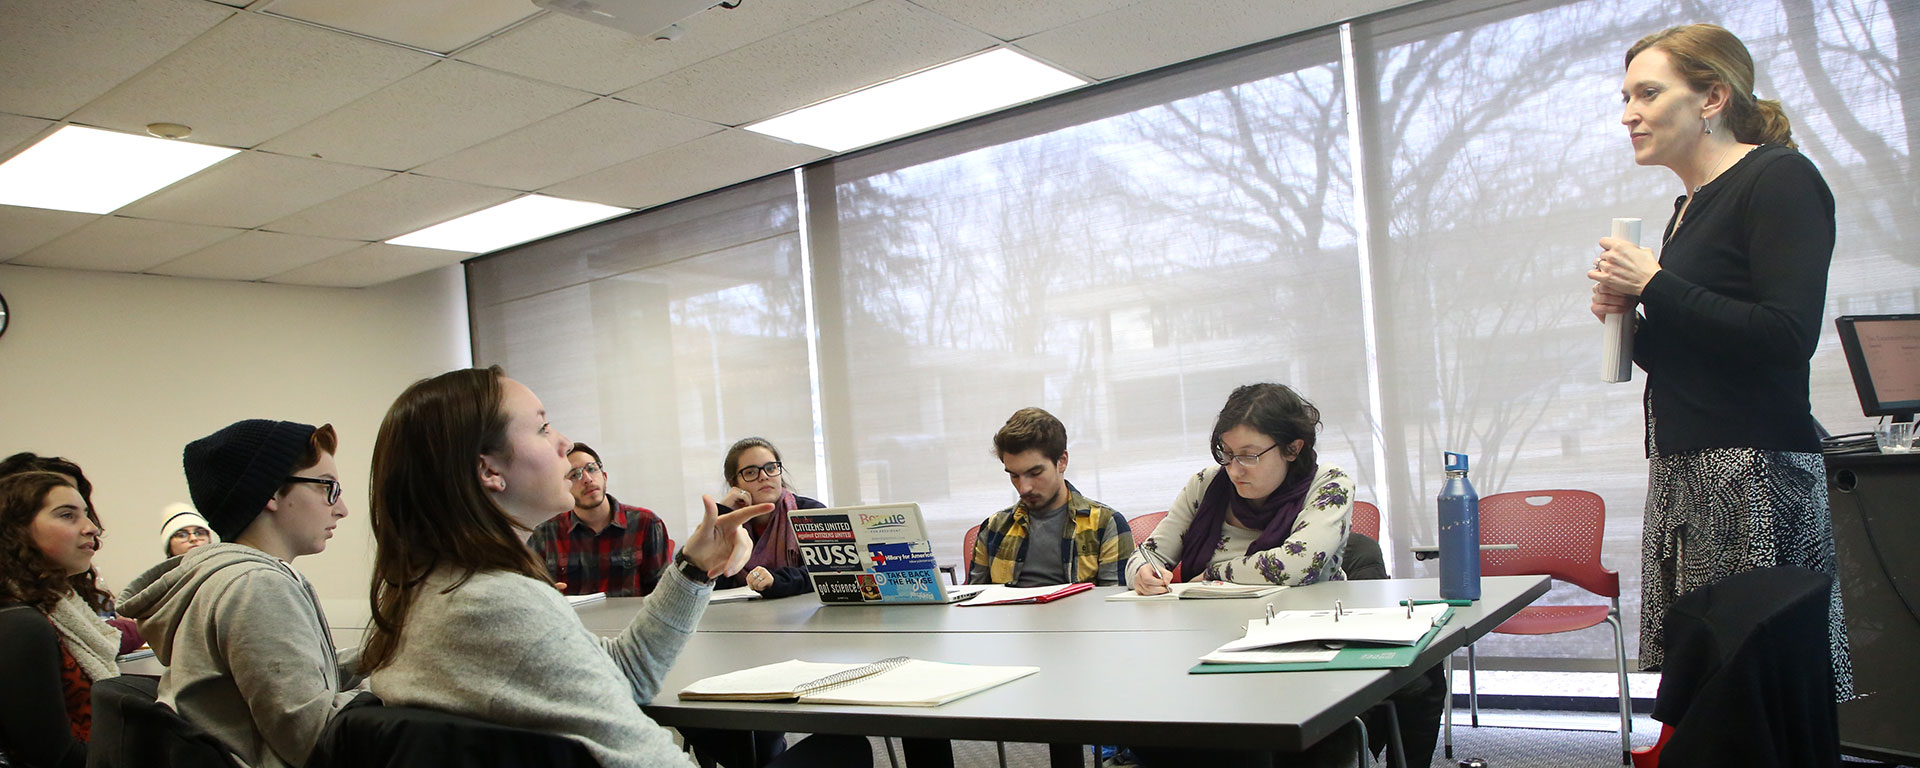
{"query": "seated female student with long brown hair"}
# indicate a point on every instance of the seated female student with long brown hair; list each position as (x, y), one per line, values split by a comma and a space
(465, 617)
(53, 643)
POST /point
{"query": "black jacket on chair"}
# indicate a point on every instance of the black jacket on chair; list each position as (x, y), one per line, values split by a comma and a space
(1748, 679)
(133, 730)
(373, 736)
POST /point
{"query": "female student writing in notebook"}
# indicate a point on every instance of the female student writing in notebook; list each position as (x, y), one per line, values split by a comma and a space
(1268, 514)
(467, 621)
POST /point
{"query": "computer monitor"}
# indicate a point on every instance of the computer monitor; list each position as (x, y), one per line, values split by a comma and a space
(1883, 352)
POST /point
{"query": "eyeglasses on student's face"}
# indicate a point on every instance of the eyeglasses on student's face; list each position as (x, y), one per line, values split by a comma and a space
(192, 532)
(1246, 460)
(333, 487)
(589, 468)
(769, 469)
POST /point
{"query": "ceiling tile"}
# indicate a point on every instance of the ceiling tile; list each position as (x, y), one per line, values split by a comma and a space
(697, 166)
(874, 42)
(61, 55)
(24, 229)
(391, 207)
(1145, 36)
(120, 244)
(251, 78)
(17, 130)
(371, 264)
(450, 106)
(1015, 19)
(251, 189)
(585, 139)
(254, 256)
(434, 25)
(592, 57)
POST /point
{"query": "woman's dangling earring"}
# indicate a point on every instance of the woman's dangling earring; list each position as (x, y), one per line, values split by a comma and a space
(1708, 124)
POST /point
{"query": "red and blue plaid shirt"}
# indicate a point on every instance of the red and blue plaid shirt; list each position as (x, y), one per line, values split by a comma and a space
(625, 559)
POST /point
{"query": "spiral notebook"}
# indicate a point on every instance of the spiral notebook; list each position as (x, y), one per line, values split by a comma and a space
(894, 682)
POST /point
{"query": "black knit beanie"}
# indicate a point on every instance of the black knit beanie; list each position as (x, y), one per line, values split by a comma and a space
(233, 472)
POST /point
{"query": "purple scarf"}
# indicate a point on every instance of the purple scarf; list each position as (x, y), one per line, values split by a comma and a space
(776, 547)
(1273, 518)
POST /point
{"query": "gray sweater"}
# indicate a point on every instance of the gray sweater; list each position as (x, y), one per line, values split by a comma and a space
(247, 651)
(508, 649)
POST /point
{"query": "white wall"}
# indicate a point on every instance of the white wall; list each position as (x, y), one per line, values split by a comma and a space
(119, 372)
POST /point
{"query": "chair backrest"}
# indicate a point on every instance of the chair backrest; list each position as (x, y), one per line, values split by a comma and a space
(374, 736)
(1366, 520)
(1559, 533)
(1143, 526)
(1361, 558)
(131, 728)
(966, 551)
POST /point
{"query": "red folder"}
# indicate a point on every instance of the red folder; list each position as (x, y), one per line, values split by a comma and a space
(1039, 597)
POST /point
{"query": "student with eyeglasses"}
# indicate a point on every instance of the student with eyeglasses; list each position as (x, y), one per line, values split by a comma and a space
(601, 545)
(248, 654)
(754, 471)
(1268, 513)
(182, 530)
(1271, 512)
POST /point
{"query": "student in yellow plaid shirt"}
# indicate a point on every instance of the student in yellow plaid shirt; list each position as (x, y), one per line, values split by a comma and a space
(1053, 535)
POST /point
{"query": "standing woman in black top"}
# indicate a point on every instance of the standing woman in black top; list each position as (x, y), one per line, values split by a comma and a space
(1731, 315)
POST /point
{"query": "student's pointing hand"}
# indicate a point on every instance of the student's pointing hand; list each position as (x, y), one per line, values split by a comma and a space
(719, 537)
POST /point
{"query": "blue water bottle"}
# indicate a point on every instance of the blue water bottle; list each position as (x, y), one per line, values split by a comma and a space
(1459, 533)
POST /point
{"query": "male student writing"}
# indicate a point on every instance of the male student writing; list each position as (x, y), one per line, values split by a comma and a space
(1053, 535)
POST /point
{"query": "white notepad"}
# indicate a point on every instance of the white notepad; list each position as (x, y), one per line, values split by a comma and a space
(1200, 590)
(1387, 626)
(734, 595)
(895, 682)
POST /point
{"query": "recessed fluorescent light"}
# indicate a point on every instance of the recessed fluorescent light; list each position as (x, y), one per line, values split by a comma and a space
(944, 94)
(93, 171)
(509, 223)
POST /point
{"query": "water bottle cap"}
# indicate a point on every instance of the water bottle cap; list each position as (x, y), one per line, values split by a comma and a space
(1456, 462)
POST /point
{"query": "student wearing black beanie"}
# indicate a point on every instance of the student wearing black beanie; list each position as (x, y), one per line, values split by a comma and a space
(248, 654)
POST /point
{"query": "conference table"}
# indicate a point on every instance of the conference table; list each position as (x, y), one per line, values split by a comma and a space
(1110, 672)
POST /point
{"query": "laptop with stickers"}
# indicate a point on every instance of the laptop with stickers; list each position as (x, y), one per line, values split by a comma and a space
(872, 555)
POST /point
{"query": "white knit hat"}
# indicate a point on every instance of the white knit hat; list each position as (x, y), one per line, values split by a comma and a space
(177, 516)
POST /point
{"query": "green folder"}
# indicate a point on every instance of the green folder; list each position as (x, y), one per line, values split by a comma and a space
(1350, 657)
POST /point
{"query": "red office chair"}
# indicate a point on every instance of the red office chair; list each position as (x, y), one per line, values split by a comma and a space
(1559, 533)
(966, 555)
(1366, 520)
(1143, 526)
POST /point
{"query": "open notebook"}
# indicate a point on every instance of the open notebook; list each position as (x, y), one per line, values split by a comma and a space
(1200, 590)
(894, 682)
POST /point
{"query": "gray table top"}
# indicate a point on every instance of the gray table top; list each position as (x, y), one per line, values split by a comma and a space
(1102, 683)
(1080, 613)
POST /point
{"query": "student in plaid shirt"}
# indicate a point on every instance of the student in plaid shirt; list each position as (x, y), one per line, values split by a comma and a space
(1054, 535)
(601, 545)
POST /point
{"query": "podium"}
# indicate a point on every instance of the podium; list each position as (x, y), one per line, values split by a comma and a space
(1875, 501)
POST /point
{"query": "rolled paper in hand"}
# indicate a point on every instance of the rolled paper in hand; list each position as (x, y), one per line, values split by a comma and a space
(1616, 349)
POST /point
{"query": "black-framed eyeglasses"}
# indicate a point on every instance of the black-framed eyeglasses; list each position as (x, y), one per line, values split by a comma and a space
(1248, 460)
(589, 468)
(333, 486)
(192, 532)
(769, 469)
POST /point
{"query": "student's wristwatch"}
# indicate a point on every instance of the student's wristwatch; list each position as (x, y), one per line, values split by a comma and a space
(694, 573)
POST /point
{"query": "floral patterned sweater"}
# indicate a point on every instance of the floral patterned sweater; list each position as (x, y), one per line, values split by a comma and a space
(1310, 555)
